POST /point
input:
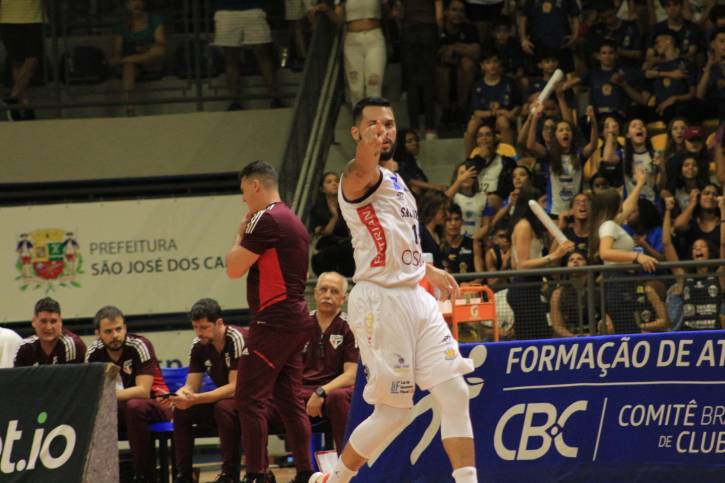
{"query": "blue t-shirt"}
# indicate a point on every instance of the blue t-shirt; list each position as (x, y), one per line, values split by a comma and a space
(239, 4)
(716, 85)
(548, 21)
(138, 42)
(664, 87)
(604, 94)
(653, 237)
(504, 94)
(689, 34)
(512, 57)
(627, 35)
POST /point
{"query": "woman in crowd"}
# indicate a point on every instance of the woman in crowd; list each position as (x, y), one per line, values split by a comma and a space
(564, 160)
(684, 181)
(333, 249)
(406, 154)
(528, 239)
(139, 46)
(639, 153)
(575, 223)
(464, 193)
(613, 245)
(607, 159)
(521, 177)
(675, 138)
(644, 225)
(701, 218)
(699, 293)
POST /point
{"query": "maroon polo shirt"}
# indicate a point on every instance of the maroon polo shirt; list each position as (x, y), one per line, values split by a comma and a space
(276, 281)
(205, 357)
(326, 353)
(69, 349)
(138, 358)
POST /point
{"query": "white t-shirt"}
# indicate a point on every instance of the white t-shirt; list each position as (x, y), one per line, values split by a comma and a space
(644, 160)
(385, 233)
(489, 176)
(472, 208)
(622, 240)
(9, 343)
(562, 188)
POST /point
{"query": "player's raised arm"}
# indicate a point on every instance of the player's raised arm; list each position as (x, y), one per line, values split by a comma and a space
(374, 130)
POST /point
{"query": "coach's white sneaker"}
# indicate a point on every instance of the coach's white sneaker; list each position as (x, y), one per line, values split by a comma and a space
(319, 477)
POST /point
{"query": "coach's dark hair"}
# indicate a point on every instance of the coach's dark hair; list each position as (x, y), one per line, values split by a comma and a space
(262, 171)
(206, 308)
(357, 111)
(108, 312)
(47, 304)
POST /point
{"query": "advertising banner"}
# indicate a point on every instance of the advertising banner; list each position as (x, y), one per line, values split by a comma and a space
(144, 256)
(48, 417)
(638, 408)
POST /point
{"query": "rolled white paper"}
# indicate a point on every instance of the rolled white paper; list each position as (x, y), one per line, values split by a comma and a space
(547, 222)
(544, 94)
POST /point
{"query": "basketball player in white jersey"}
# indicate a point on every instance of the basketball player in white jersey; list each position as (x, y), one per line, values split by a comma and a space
(401, 333)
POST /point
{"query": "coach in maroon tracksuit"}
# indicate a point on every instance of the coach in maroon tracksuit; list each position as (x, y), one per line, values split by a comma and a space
(52, 343)
(330, 357)
(216, 350)
(140, 378)
(272, 245)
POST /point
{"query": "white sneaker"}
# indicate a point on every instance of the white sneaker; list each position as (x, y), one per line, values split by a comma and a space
(319, 477)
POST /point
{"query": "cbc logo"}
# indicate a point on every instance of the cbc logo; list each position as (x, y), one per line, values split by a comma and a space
(551, 430)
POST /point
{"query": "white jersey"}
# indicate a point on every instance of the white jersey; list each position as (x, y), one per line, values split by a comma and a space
(643, 160)
(472, 208)
(488, 176)
(562, 188)
(385, 233)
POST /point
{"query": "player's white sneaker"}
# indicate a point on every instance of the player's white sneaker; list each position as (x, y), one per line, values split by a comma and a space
(319, 477)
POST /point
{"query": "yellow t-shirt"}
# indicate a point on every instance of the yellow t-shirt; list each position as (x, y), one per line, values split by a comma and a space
(21, 11)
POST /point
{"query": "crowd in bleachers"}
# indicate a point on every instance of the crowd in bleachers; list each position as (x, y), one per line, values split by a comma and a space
(626, 154)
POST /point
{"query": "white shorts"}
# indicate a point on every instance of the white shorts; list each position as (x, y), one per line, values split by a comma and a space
(403, 341)
(238, 28)
(296, 9)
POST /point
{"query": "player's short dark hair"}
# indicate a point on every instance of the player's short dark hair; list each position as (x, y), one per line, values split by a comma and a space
(205, 308)
(608, 43)
(262, 171)
(108, 312)
(453, 208)
(47, 304)
(357, 111)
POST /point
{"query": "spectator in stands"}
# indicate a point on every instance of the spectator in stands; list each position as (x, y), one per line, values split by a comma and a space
(598, 183)
(243, 23)
(421, 22)
(564, 160)
(457, 63)
(334, 243)
(607, 160)
(703, 287)
(612, 244)
(612, 88)
(472, 203)
(625, 34)
(494, 170)
(484, 13)
(528, 239)
(694, 147)
(639, 153)
(547, 60)
(295, 13)
(521, 176)
(498, 257)
(364, 45)
(140, 382)
(52, 343)
(432, 214)
(682, 183)
(139, 46)
(459, 253)
(701, 217)
(407, 150)
(673, 84)
(676, 129)
(496, 97)
(688, 37)
(576, 222)
(569, 301)
(504, 41)
(644, 225)
(330, 358)
(711, 86)
(9, 343)
(216, 350)
(21, 32)
(551, 25)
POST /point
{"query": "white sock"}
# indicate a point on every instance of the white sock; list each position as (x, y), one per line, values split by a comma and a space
(466, 474)
(341, 473)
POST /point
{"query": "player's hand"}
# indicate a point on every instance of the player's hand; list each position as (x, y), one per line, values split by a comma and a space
(669, 203)
(314, 406)
(373, 137)
(164, 402)
(443, 281)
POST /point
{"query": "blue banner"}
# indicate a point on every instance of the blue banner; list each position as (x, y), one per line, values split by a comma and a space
(639, 408)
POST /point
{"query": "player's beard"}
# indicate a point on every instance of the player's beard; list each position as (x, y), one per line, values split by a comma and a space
(387, 155)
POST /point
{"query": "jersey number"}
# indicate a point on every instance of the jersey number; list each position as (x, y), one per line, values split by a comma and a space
(415, 234)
